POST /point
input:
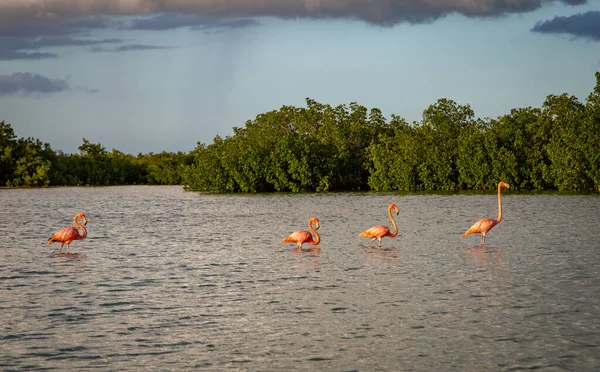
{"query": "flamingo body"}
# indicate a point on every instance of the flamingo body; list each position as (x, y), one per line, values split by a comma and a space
(299, 237)
(481, 227)
(302, 236)
(484, 225)
(70, 233)
(377, 232)
(380, 231)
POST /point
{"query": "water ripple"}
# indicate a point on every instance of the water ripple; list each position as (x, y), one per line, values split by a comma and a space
(173, 280)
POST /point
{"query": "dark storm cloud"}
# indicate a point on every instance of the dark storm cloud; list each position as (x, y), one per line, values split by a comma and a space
(169, 21)
(129, 47)
(23, 41)
(8, 43)
(28, 27)
(13, 48)
(383, 12)
(40, 27)
(27, 83)
(10, 55)
(583, 25)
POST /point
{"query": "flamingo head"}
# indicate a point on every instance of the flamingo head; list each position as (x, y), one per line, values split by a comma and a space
(315, 220)
(393, 207)
(82, 216)
(502, 184)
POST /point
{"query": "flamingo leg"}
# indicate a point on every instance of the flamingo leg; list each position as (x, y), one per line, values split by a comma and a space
(379, 242)
(60, 249)
(371, 242)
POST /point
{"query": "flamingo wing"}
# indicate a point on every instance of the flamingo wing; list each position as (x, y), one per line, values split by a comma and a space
(375, 232)
(482, 226)
(67, 234)
(300, 236)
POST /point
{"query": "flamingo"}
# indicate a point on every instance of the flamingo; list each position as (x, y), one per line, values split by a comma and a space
(486, 224)
(302, 236)
(378, 232)
(69, 233)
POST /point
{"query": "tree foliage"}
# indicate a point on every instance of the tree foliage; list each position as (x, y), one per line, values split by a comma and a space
(347, 147)
(321, 148)
(317, 148)
(29, 162)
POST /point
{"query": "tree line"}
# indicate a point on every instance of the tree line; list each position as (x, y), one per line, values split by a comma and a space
(321, 148)
(348, 147)
(28, 162)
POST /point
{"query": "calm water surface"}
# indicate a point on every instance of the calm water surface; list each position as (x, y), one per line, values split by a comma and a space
(174, 280)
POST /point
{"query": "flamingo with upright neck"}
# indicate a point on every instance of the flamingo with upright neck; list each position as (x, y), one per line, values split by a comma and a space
(302, 236)
(484, 225)
(70, 233)
(378, 232)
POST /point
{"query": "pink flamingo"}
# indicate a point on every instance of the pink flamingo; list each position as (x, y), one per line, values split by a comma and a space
(378, 232)
(302, 236)
(486, 224)
(70, 233)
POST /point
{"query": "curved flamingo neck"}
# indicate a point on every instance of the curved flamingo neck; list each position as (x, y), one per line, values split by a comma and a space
(82, 228)
(499, 203)
(317, 237)
(393, 222)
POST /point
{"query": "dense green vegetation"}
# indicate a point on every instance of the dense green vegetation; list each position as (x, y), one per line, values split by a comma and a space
(29, 162)
(320, 147)
(291, 149)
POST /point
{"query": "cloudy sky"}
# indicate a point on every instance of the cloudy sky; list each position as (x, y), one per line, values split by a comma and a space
(153, 75)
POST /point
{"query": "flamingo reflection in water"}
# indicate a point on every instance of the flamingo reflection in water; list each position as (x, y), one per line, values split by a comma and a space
(485, 257)
(380, 257)
(487, 264)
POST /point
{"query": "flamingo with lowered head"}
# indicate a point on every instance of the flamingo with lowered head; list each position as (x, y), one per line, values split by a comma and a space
(378, 232)
(69, 233)
(486, 224)
(302, 236)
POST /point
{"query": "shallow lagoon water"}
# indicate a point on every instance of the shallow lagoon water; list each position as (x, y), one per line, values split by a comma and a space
(174, 280)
